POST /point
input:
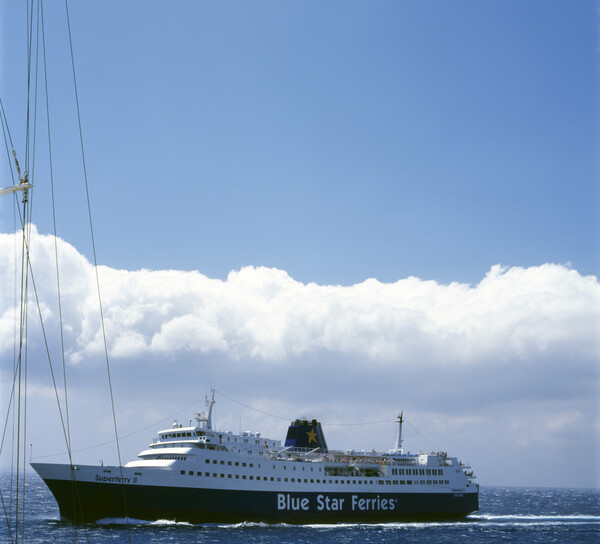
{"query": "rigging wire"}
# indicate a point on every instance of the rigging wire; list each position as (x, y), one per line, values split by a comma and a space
(18, 398)
(20, 356)
(7, 139)
(6, 131)
(74, 489)
(124, 436)
(423, 437)
(291, 418)
(96, 264)
(52, 194)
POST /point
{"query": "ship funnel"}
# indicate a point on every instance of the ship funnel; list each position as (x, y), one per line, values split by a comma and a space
(303, 433)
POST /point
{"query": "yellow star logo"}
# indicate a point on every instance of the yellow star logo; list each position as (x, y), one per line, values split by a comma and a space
(312, 436)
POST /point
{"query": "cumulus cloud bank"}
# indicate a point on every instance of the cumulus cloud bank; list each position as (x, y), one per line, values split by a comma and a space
(520, 347)
(264, 314)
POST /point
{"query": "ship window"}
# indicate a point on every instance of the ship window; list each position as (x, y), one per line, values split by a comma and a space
(243, 464)
(199, 473)
(395, 482)
(237, 476)
(183, 472)
(237, 464)
(336, 481)
(207, 460)
(251, 465)
(222, 462)
(214, 474)
(402, 482)
(214, 461)
(252, 477)
(293, 480)
(191, 473)
(229, 463)
(305, 481)
(222, 475)
(273, 479)
(229, 475)
(428, 482)
(285, 479)
(243, 476)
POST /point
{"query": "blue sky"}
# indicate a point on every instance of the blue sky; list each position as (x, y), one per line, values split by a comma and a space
(337, 142)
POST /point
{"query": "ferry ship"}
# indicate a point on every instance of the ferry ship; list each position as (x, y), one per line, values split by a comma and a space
(197, 474)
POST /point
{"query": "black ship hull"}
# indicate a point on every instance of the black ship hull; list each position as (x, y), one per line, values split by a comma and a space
(91, 501)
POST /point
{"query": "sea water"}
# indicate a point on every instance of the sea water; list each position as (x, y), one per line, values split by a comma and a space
(507, 515)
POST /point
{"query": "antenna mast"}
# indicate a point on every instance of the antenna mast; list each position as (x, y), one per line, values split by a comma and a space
(398, 448)
(207, 419)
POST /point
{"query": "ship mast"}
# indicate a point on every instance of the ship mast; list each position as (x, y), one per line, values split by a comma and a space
(209, 405)
(398, 448)
(207, 419)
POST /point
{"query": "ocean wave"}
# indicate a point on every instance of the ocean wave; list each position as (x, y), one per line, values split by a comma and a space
(133, 521)
(533, 517)
(246, 524)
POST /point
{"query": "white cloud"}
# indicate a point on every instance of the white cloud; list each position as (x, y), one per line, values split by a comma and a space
(262, 313)
(510, 360)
